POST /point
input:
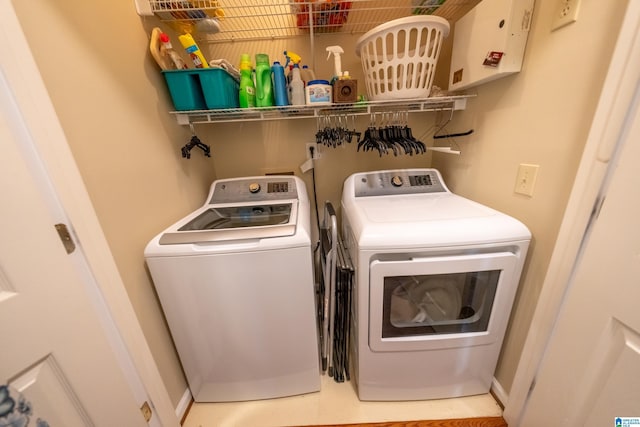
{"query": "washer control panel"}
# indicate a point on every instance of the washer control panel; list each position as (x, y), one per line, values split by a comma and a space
(409, 181)
(253, 189)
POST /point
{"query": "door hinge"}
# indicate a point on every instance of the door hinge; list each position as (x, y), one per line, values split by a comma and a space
(65, 236)
(146, 411)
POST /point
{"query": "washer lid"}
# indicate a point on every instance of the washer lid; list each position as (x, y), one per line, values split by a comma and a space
(234, 222)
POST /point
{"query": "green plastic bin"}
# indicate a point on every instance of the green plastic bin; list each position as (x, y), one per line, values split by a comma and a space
(202, 89)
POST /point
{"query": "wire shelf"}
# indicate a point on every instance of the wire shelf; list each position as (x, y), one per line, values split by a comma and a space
(445, 103)
(271, 19)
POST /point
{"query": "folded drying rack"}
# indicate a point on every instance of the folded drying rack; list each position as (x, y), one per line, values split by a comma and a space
(334, 302)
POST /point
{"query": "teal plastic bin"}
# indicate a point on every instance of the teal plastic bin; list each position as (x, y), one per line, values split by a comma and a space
(202, 89)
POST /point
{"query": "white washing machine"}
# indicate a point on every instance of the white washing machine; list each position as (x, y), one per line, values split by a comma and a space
(436, 275)
(235, 280)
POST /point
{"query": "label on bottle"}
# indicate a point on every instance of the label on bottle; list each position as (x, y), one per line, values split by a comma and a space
(196, 60)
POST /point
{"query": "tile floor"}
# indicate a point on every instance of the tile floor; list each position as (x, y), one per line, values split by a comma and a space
(334, 404)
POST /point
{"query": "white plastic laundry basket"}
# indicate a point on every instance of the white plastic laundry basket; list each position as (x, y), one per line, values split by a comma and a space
(399, 57)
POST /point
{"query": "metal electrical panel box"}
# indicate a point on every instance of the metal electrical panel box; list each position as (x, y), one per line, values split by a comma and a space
(489, 42)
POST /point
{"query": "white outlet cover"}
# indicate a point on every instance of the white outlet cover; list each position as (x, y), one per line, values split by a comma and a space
(566, 13)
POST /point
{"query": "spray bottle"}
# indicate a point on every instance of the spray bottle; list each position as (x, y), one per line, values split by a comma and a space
(296, 87)
(292, 58)
(247, 93)
(345, 89)
(193, 50)
(337, 60)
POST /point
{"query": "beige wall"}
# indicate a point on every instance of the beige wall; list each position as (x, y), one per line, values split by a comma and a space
(541, 116)
(113, 105)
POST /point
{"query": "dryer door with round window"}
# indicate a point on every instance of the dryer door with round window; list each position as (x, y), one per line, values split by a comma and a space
(440, 301)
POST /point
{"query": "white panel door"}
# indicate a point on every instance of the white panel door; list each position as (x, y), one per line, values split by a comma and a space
(56, 364)
(591, 371)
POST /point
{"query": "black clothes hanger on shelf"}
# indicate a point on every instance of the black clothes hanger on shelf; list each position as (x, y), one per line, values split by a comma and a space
(453, 147)
(391, 134)
(195, 142)
(333, 131)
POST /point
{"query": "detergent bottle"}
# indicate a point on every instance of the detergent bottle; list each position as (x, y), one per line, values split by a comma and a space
(279, 84)
(193, 50)
(264, 85)
(247, 93)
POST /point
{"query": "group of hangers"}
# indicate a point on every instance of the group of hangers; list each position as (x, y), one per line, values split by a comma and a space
(333, 131)
(390, 133)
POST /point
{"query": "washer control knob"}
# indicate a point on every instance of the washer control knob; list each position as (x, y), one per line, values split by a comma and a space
(254, 187)
(396, 181)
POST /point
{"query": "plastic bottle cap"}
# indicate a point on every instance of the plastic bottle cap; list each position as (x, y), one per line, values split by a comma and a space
(164, 38)
(318, 82)
(262, 58)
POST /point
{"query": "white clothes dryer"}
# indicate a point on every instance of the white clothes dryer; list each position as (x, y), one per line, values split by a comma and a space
(235, 280)
(436, 276)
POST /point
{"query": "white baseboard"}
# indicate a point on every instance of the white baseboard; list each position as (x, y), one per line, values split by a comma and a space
(183, 405)
(499, 393)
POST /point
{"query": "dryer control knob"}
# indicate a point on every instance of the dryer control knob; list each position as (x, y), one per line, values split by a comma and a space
(396, 181)
(254, 187)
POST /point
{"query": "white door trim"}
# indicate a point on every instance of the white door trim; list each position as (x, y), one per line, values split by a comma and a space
(589, 189)
(54, 163)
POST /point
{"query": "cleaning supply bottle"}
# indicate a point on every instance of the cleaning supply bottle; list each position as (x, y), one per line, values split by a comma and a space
(167, 50)
(296, 87)
(279, 84)
(292, 59)
(336, 51)
(307, 74)
(193, 50)
(264, 86)
(156, 49)
(247, 93)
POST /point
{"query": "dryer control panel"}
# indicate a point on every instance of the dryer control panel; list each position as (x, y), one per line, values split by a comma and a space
(406, 181)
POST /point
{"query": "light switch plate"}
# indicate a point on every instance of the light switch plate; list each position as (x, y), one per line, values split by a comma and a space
(526, 179)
